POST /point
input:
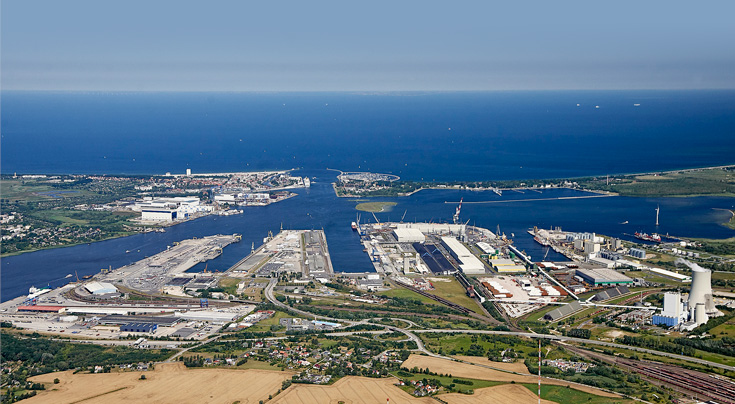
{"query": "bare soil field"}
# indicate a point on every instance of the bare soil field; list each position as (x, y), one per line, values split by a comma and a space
(503, 394)
(350, 390)
(438, 365)
(169, 383)
(517, 367)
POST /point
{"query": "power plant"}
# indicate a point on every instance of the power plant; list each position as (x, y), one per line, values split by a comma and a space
(697, 309)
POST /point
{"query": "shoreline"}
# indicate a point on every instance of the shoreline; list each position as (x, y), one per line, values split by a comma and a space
(462, 185)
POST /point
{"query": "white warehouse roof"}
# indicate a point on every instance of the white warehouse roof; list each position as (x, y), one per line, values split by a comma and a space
(406, 235)
(100, 288)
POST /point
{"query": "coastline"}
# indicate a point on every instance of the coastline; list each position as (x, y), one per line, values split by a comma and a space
(585, 185)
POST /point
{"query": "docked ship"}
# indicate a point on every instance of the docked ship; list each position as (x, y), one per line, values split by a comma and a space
(645, 236)
(354, 226)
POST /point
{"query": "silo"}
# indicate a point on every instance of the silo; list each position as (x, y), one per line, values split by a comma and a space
(700, 314)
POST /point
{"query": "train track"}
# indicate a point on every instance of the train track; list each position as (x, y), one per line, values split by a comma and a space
(715, 387)
(719, 389)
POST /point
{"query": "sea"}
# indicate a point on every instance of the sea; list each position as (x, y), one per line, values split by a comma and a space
(418, 136)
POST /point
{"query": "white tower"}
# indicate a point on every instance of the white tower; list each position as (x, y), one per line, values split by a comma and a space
(701, 292)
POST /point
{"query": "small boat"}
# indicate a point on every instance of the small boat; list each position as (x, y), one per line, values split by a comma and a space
(87, 277)
(354, 226)
(127, 251)
(625, 222)
(67, 276)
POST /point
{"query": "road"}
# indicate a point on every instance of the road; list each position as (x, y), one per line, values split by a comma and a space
(411, 334)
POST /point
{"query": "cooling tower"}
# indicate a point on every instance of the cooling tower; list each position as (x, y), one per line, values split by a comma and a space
(701, 287)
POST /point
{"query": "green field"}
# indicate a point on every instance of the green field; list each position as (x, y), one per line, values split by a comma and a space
(568, 395)
(33, 191)
(408, 294)
(456, 293)
(375, 206)
(448, 380)
(709, 181)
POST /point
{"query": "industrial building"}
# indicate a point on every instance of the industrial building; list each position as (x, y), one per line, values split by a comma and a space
(468, 263)
(100, 288)
(486, 248)
(162, 321)
(505, 265)
(408, 235)
(563, 311)
(603, 276)
(170, 209)
(670, 274)
(673, 312)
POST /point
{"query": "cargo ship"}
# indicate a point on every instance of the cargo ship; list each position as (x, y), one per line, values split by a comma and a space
(645, 236)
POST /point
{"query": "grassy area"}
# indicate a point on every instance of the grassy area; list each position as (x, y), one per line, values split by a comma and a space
(33, 191)
(375, 206)
(253, 364)
(711, 181)
(455, 292)
(408, 294)
(471, 385)
(568, 395)
(230, 284)
(724, 330)
(478, 345)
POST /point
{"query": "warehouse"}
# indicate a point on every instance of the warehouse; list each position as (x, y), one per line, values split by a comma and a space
(43, 309)
(468, 263)
(100, 288)
(407, 235)
(157, 320)
(673, 275)
(600, 277)
(506, 265)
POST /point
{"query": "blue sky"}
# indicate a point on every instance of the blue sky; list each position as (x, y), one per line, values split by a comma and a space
(366, 46)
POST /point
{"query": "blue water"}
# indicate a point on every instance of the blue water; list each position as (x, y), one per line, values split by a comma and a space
(498, 135)
(511, 135)
(318, 208)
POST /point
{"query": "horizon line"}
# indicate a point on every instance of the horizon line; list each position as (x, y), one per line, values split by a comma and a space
(361, 91)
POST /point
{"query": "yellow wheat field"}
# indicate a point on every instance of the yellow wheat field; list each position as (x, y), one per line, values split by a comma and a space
(169, 383)
(503, 394)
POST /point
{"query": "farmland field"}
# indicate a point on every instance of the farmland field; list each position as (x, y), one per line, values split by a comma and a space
(169, 383)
